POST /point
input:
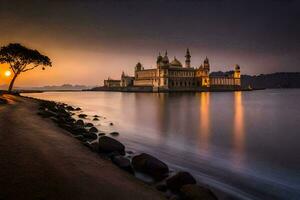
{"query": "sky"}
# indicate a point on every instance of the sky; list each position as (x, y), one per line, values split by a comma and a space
(91, 40)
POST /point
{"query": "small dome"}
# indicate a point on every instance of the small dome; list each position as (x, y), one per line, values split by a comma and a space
(138, 64)
(165, 60)
(159, 58)
(176, 63)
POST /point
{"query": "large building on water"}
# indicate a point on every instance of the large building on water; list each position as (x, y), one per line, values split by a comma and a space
(173, 76)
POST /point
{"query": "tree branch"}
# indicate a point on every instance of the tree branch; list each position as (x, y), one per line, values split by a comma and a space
(25, 70)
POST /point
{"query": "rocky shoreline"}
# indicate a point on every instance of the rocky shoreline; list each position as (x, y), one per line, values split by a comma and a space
(180, 185)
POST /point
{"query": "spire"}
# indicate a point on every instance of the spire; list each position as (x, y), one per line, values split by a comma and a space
(166, 53)
(187, 58)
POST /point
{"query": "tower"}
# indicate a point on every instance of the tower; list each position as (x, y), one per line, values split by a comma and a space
(187, 58)
(159, 60)
(206, 64)
(138, 67)
(237, 75)
(237, 71)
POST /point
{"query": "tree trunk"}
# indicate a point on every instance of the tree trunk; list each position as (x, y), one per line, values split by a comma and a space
(12, 83)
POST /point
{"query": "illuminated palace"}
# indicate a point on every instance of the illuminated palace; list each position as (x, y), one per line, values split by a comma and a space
(173, 76)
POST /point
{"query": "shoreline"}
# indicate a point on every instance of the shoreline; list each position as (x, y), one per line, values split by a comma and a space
(41, 161)
(179, 186)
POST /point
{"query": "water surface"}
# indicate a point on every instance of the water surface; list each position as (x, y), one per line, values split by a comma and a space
(243, 143)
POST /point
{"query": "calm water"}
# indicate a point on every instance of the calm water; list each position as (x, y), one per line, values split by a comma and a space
(244, 143)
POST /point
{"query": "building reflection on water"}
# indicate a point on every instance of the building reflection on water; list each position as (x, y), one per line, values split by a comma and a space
(204, 121)
(238, 129)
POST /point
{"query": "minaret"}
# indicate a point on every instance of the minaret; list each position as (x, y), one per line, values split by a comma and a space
(206, 64)
(187, 58)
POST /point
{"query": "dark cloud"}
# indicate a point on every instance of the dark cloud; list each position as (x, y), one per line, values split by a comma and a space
(239, 29)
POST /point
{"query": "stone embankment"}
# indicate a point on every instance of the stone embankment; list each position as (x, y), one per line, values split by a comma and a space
(181, 185)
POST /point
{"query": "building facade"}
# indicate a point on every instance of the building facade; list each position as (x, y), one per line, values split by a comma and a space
(173, 76)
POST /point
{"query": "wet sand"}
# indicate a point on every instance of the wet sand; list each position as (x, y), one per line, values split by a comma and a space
(39, 160)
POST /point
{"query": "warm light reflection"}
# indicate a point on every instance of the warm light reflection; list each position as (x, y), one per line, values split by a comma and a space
(238, 128)
(204, 128)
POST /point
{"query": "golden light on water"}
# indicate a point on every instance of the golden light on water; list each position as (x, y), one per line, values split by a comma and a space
(7, 73)
(205, 119)
(238, 128)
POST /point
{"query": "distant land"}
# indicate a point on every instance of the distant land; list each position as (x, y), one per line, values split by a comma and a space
(274, 80)
(51, 87)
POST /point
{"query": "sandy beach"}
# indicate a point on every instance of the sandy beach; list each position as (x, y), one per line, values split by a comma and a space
(39, 160)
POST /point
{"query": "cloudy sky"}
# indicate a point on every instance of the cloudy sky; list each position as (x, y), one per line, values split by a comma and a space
(90, 40)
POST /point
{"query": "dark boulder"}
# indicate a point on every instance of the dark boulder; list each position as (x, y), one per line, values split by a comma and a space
(93, 130)
(178, 180)
(122, 162)
(196, 192)
(94, 146)
(95, 119)
(91, 136)
(77, 130)
(96, 116)
(111, 124)
(77, 109)
(80, 122)
(81, 138)
(150, 165)
(3, 101)
(114, 133)
(161, 187)
(89, 125)
(70, 108)
(109, 145)
(82, 116)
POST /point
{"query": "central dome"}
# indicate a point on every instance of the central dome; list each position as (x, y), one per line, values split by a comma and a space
(176, 63)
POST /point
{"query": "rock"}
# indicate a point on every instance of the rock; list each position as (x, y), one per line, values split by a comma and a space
(81, 138)
(65, 126)
(96, 116)
(161, 187)
(114, 133)
(111, 124)
(150, 165)
(70, 108)
(91, 136)
(93, 130)
(101, 134)
(94, 146)
(77, 109)
(79, 122)
(89, 125)
(82, 116)
(3, 101)
(122, 162)
(95, 119)
(178, 180)
(109, 145)
(196, 192)
(129, 152)
(78, 130)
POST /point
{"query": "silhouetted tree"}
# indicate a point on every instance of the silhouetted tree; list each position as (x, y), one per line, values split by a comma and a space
(22, 59)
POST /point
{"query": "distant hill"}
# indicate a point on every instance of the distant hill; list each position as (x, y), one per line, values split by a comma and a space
(275, 80)
(51, 87)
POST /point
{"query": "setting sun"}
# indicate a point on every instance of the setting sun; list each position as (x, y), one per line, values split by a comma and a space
(7, 73)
